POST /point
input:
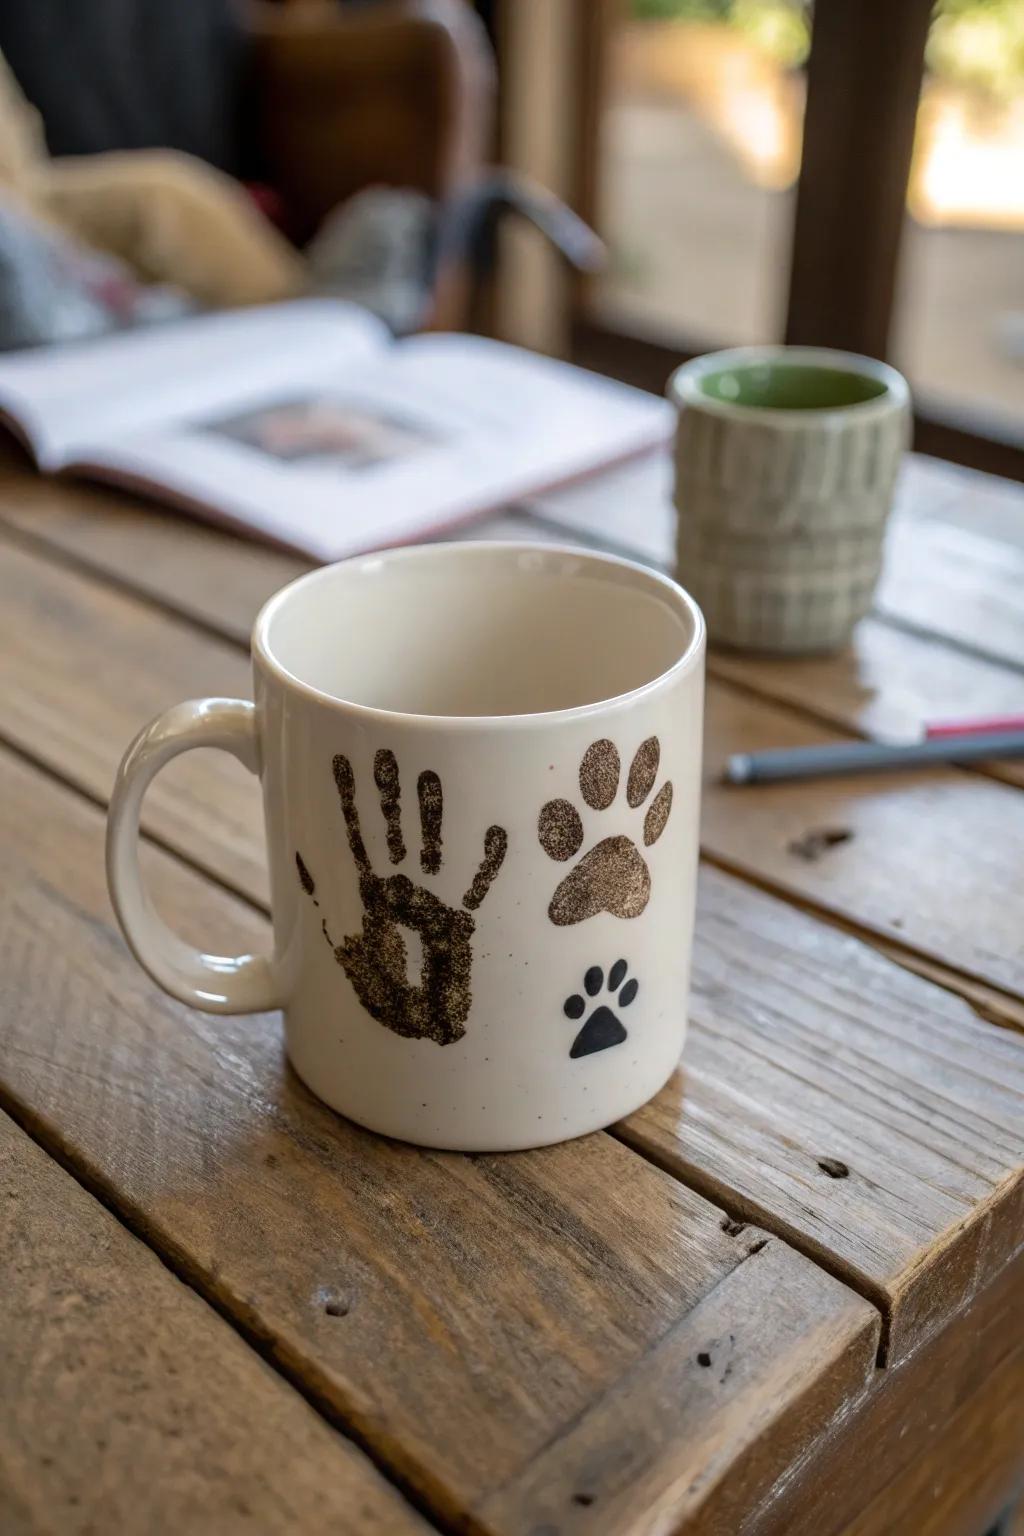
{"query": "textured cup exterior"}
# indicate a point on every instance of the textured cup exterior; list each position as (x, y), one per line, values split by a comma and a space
(781, 518)
(798, 605)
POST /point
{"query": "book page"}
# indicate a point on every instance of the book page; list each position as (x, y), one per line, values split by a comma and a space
(434, 431)
(67, 398)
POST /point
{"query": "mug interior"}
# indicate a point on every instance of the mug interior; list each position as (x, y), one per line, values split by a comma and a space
(478, 630)
(784, 386)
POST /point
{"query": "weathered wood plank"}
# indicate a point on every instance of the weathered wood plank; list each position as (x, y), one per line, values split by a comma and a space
(887, 684)
(942, 575)
(877, 1229)
(893, 1431)
(948, 581)
(460, 1314)
(71, 718)
(987, 1002)
(932, 860)
(207, 574)
(947, 572)
(653, 1457)
(200, 571)
(870, 1118)
(73, 696)
(128, 1405)
(974, 1466)
(74, 691)
(981, 503)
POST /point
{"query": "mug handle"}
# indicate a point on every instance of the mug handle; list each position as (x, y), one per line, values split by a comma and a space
(214, 983)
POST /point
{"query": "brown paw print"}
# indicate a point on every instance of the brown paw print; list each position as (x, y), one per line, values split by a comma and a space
(613, 876)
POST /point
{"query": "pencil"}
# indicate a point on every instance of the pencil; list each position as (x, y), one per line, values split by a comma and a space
(867, 756)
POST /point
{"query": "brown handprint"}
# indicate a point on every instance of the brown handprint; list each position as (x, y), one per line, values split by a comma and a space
(375, 960)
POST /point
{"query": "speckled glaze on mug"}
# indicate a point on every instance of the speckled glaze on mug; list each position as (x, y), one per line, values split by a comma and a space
(481, 778)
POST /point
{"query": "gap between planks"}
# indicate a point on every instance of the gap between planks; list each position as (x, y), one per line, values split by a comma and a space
(996, 1005)
(790, 1237)
(65, 559)
(828, 918)
(244, 1323)
(727, 672)
(94, 1317)
(723, 668)
(215, 877)
(919, 631)
(99, 1168)
(717, 1194)
(1002, 1009)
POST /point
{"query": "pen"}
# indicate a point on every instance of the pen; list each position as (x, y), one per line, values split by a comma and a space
(867, 756)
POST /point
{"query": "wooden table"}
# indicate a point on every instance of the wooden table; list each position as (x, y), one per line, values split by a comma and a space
(786, 1297)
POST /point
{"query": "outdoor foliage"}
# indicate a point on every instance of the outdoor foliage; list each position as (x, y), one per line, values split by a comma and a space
(779, 27)
(979, 43)
(976, 43)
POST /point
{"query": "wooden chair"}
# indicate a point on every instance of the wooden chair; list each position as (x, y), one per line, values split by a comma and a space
(313, 101)
(398, 93)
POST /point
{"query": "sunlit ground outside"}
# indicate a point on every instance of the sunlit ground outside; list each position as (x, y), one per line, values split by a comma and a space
(700, 153)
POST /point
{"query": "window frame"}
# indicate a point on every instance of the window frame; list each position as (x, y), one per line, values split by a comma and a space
(864, 77)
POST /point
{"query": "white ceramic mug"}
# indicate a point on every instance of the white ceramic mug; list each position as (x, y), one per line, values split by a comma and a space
(481, 781)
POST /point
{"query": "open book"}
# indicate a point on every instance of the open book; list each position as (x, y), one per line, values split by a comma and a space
(308, 424)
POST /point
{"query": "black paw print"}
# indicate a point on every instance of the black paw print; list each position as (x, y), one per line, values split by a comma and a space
(602, 1028)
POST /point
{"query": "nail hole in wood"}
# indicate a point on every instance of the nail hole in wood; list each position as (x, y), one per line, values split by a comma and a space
(817, 841)
(833, 1167)
(336, 1306)
(704, 1358)
(586, 1499)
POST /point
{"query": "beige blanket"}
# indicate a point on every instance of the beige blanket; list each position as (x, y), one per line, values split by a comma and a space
(170, 216)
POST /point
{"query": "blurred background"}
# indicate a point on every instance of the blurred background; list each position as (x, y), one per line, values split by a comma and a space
(844, 173)
(699, 154)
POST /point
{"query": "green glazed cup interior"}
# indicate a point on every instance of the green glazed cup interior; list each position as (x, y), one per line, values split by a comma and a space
(786, 386)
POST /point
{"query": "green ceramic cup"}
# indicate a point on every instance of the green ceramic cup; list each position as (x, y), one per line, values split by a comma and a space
(785, 463)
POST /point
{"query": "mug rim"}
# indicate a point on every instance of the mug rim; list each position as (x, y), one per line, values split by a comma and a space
(684, 383)
(657, 581)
